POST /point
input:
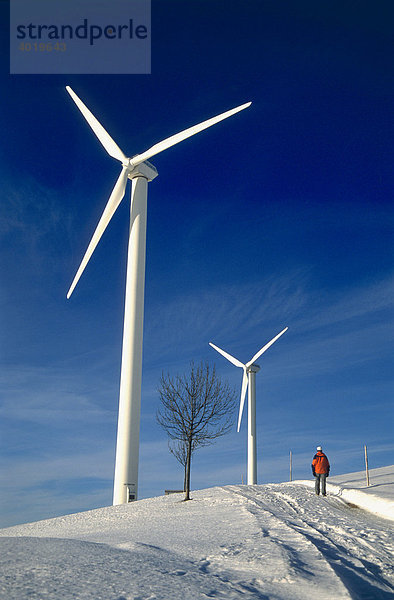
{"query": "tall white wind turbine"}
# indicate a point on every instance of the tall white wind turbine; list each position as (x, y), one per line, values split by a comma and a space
(140, 171)
(249, 382)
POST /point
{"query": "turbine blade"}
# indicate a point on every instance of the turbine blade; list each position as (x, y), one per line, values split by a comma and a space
(264, 348)
(112, 204)
(233, 360)
(245, 381)
(111, 147)
(183, 135)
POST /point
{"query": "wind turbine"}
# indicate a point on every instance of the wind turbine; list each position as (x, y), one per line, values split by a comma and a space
(249, 381)
(140, 171)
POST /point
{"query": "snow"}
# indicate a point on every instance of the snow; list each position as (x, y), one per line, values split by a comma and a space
(377, 498)
(274, 541)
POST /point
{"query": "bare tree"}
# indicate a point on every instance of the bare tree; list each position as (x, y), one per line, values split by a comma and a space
(179, 450)
(197, 408)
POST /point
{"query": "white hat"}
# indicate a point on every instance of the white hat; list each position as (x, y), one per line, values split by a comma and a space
(318, 448)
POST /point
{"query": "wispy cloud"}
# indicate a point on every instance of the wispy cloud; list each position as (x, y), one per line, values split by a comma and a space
(47, 395)
(348, 328)
(225, 313)
(336, 307)
(35, 213)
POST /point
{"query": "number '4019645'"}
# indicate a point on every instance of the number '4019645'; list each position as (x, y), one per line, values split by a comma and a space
(42, 47)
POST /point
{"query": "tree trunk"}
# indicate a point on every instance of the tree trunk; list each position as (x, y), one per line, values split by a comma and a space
(188, 463)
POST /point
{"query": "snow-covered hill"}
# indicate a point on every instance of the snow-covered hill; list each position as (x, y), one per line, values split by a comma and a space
(275, 541)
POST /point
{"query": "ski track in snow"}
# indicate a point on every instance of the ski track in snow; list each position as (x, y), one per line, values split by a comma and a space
(356, 546)
(276, 542)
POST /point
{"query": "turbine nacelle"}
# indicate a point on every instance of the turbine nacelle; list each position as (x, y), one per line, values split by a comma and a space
(144, 169)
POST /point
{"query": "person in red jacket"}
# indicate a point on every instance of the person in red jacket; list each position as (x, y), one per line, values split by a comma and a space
(320, 470)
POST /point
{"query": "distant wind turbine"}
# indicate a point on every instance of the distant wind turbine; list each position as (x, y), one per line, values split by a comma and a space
(249, 379)
(140, 171)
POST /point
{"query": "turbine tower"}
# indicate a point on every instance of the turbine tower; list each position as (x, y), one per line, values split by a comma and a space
(140, 171)
(249, 382)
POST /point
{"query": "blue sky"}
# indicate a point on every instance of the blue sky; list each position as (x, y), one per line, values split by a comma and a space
(280, 216)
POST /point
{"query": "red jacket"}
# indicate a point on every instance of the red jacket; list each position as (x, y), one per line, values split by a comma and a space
(320, 463)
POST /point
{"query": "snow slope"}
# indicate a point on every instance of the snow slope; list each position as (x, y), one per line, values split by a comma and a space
(377, 498)
(276, 541)
(381, 482)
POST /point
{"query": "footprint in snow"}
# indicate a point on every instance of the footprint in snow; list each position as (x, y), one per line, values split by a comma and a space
(178, 572)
